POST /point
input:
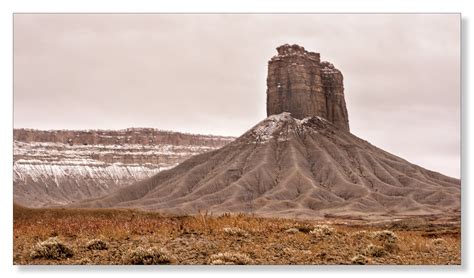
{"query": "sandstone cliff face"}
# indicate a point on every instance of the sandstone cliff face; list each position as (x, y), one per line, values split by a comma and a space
(139, 136)
(299, 83)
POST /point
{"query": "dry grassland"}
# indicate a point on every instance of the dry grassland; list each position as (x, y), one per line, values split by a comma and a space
(105, 236)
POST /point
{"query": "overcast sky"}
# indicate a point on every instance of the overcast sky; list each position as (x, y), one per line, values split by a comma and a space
(207, 73)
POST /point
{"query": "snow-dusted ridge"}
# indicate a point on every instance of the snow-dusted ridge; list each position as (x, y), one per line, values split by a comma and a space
(281, 126)
(60, 167)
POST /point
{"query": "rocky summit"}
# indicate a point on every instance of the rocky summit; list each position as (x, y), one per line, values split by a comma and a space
(299, 83)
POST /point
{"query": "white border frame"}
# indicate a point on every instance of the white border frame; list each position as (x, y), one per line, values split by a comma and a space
(8, 7)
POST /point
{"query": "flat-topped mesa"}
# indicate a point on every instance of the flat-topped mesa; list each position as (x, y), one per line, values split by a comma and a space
(299, 83)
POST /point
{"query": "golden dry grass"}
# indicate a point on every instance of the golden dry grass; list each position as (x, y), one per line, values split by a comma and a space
(106, 236)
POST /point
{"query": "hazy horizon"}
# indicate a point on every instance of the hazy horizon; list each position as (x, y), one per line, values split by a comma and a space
(206, 74)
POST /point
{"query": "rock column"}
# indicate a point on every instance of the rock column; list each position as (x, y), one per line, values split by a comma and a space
(299, 83)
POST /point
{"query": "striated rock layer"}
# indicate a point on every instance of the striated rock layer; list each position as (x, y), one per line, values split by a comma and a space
(63, 166)
(299, 83)
(287, 167)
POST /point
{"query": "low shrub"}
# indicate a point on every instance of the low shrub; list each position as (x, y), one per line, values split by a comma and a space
(322, 230)
(359, 235)
(438, 242)
(304, 228)
(230, 258)
(291, 231)
(387, 239)
(52, 248)
(235, 232)
(97, 244)
(374, 251)
(385, 236)
(359, 259)
(149, 256)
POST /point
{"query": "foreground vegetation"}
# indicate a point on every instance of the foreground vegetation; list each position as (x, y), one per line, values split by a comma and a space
(73, 236)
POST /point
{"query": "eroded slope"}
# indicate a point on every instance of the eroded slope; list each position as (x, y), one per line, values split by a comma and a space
(288, 167)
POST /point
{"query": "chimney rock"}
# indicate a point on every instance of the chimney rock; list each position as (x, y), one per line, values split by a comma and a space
(299, 83)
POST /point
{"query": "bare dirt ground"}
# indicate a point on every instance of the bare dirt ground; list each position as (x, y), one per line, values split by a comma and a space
(106, 236)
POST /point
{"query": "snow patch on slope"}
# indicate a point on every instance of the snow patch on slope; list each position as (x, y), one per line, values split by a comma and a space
(281, 126)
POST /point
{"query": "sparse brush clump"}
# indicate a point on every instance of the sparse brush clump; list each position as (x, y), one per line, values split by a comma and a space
(438, 242)
(359, 259)
(322, 230)
(52, 248)
(304, 228)
(387, 238)
(235, 232)
(374, 251)
(271, 240)
(291, 231)
(359, 234)
(97, 244)
(85, 261)
(148, 256)
(230, 258)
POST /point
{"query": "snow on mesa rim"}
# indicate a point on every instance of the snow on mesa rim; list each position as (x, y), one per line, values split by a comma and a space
(39, 160)
(50, 170)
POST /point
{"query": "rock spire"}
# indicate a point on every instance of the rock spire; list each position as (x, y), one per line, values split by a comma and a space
(299, 83)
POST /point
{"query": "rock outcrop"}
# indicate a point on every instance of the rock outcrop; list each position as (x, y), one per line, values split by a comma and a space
(299, 83)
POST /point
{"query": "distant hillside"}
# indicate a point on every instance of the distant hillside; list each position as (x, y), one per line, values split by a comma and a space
(63, 166)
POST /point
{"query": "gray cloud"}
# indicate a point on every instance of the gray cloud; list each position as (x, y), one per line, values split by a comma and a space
(206, 74)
